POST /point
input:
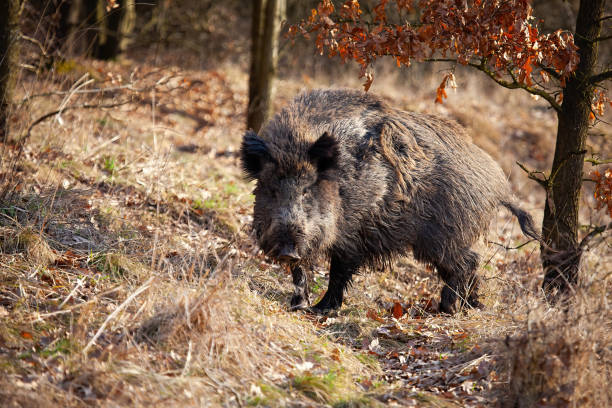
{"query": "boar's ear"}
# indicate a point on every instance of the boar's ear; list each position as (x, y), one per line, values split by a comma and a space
(253, 154)
(324, 152)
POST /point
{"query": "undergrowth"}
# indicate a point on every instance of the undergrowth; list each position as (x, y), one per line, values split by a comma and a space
(128, 276)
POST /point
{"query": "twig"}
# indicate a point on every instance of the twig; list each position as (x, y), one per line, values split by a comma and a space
(511, 248)
(80, 83)
(607, 37)
(64, 108)
(37, 43)
(58, 111)
(39, 317)
(64, 311)
(602, 76)
(550, 71)
(459, 368)
(129, 87)
(596, 162)
(187, 360)
(531, 174)
(101, 146)
(441, 60)
(122, 306)
(515, 84)
(72, 292)
(220, 385)
(596, 231)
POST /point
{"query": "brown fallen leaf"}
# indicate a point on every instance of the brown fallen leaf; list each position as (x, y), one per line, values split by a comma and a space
(397, 310)
(373, 314)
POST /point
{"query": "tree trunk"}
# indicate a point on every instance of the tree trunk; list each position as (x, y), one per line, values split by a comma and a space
(128, 21)
(9, 53)
(560, 227)
(76, 20)
(114, 28)
(265, 31)
(107, 46)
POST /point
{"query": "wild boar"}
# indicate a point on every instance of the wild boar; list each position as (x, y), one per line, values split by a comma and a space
(345, 177)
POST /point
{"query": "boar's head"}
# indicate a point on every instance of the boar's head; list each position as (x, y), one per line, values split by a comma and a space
(296, 197)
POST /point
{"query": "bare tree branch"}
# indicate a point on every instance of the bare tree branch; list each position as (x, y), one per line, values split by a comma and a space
(509, 248)
(34, 41)
(102, 91)
(596, 162)
(550, 71)
(602, 76)
(67, 108)
(516, 85)
(533, 175)
(596, 231)
(441, 60)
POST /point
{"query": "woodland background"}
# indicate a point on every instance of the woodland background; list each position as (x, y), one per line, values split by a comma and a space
(128, 276)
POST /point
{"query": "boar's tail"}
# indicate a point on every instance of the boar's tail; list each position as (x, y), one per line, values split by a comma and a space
(525, 220)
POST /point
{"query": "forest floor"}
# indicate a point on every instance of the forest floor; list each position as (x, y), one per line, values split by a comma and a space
(128, 276)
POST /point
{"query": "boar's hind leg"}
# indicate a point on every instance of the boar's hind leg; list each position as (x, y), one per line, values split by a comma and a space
(340, 273)
(300, 298)
(460, 282)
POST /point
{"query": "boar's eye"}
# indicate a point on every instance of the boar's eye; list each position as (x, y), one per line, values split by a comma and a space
(253, 153)
(307, 192)
(324, 152)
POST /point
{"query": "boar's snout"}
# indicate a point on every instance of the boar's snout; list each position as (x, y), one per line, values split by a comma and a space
(283, 242)
(288, 254)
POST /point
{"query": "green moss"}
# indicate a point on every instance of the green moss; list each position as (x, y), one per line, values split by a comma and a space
(110, 165)
(271, 396)
(318, 285)
(356, 402)
(318, 388)
(230, 189)
(66, 66)
(62, 346)
(368, 360)
(11, 212)
(214, 203)
(112, 265)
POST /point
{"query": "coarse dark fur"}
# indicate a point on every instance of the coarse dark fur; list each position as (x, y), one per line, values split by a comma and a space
(343, 176)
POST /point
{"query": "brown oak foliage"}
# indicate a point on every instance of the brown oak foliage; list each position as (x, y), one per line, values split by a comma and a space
(603, 190)
(499, 36)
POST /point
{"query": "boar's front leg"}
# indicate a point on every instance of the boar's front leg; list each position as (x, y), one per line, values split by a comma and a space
(340, 274)
(460, 282)
(300, 298)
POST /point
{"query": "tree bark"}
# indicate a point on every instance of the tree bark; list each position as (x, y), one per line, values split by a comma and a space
(265, 32)
(126, 27)
(561, 261)
(114, 28)
(9, 54)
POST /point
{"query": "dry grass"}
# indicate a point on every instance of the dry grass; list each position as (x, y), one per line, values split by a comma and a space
(563, 356)
(128, 277)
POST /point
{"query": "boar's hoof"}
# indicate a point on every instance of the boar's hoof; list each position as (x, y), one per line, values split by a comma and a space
(475, 304)
(299, 302)
(325, 308)
(324, 312)
(447, 308)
